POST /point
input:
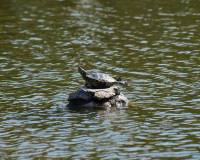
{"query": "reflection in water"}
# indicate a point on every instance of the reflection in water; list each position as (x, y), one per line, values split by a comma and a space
(154, 44)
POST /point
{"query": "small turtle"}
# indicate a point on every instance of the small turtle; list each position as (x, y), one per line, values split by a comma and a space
(99, 80)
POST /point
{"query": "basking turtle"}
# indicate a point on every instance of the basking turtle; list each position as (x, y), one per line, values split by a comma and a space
(99, 80)
(97, 98)
(85, 94)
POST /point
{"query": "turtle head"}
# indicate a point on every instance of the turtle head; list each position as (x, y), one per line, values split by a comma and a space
(117, 91)
(118, 78)
(121, 82)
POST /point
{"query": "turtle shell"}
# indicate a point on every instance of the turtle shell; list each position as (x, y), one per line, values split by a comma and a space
(86, 94)
(97, 79)
(80, 95)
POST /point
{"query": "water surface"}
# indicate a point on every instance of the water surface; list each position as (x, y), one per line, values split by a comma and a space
(153, 44)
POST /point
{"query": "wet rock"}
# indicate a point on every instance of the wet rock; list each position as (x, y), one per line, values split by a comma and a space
(117, 101)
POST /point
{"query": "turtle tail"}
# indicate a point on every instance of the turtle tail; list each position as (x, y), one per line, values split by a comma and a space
(82, 72)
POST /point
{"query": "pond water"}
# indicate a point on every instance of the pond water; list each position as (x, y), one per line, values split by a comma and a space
(154, 44)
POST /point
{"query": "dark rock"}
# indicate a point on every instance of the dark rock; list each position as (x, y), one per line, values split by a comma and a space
(117, 101)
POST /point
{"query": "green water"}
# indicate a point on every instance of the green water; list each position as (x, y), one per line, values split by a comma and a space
(154, 44)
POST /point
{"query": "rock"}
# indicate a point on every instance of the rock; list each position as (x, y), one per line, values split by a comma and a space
(117, 101)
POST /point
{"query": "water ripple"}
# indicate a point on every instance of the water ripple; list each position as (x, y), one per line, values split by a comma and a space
(154, 45)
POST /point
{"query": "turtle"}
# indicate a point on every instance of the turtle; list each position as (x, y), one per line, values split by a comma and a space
(99, 80)
(97, 98)
(86, 94)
